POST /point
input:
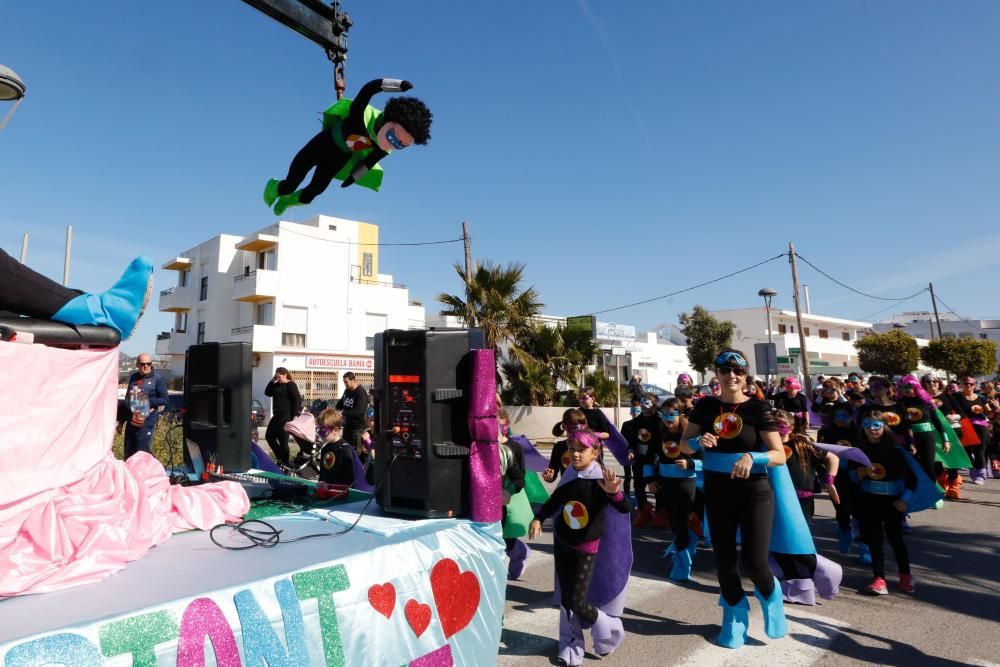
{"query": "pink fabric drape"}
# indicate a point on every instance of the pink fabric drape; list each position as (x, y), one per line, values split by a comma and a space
(70, 513)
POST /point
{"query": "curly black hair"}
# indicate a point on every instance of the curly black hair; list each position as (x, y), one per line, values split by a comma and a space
(412, 114)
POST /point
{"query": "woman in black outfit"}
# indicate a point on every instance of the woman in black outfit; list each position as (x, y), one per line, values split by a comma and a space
(286, 403)
(741, 440)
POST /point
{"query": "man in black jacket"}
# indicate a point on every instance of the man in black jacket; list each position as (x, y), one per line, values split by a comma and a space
(354, 405)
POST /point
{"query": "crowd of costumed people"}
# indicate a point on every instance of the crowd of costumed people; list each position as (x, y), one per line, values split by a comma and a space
(737, 468)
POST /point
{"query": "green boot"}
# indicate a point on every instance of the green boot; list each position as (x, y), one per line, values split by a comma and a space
(271, 192)
(285, 201)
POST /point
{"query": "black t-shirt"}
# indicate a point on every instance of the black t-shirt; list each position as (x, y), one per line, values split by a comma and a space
(894, 415)
(846, 436)
(597, 421)
(354, 405)
(815, 461)
(670, 451)
(888, 463)
(580, 504)
(974, 409)
(782, 401)
(644, 435)
(336, 463)
(945, 403)
(514, 477)
(286, 402)
(737, 425)
(917, 411)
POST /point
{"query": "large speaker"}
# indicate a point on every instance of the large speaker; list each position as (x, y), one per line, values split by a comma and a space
(217, 403)
(422, 384)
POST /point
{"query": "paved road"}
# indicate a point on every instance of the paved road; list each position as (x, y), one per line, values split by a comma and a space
(952, 619)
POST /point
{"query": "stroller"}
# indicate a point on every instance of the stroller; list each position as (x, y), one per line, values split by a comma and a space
(303, 429)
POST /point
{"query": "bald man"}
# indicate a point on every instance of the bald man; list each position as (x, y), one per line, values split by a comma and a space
(139, 429)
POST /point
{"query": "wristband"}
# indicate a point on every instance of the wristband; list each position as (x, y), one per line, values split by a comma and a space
(760, 458)
(619, 495)
(830, 480)
(907, 495)
(694, 443)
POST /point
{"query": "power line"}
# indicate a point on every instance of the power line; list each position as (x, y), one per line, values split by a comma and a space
(688, 289)
(898, 303)
(870, 296)
(959, 316)
(417, 243)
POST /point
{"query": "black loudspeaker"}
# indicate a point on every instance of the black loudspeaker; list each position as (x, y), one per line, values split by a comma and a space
(217, 403)
(422, 383)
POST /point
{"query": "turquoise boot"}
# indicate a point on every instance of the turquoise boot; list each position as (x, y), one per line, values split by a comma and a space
(271, 192)
(681, 570)
(774, 612)
(284, 202)
(735, 622)
(120, 307)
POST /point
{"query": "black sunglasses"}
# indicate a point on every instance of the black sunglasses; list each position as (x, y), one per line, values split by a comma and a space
(145, 363)
(726, 370)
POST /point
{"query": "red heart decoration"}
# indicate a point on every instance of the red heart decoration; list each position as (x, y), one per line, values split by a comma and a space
(383, 598)
(456, 595)
(578, 510)
(418, 616)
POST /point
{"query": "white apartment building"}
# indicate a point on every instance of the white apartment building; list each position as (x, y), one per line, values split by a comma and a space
(829, 340)
(922, 324)
(307, 296)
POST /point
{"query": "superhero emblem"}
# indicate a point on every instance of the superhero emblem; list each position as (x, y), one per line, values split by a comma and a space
(788, 452)
(575, 515)
(844, 443)
(915, 414)
(358, 142)
(671, 449)
(891, 418)
(877, 471)
(937, 402)
(328, 460)
(728, 426)
(644, 435)
(565, 460)
(978, 409)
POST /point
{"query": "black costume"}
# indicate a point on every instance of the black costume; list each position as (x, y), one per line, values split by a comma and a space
(743, 504)
(336, 463)
(286, 403)
(644, 434)
(354, 406)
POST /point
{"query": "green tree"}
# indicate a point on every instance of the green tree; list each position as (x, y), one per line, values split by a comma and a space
(706, 336)
(605, 388)
(961, 356)
(540, 358)
(528, 382)
(495, 302)
(894, 352)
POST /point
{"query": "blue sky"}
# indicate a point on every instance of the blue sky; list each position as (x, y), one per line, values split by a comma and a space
(620, 150)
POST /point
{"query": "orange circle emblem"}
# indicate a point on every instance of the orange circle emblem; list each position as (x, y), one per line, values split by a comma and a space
(788, 452)
(671, 449)
(575, 515)
(845, 443)
(565, 460)
(644, 435)
(328, 460)
(728, 426)
(877, 471)
(915, 414)
(891, 418)
(978, 409)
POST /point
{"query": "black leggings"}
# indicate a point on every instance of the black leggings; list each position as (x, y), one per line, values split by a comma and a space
(321, 152)
(747, 505)
(978, 452)
(926, 446)
(845, 489)
(679, 495)
(575, 569)
(277, 439)
(876, 514)
(25, 292)
(796, 566)
(641, 499)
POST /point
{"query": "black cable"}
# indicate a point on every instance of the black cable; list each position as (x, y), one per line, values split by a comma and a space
(870, 296)
(272, 536)
(893, 305)
(959, 316)
(417, 243)
(688, 289)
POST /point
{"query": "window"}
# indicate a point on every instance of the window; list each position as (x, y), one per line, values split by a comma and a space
(965, 334)
(846, 335)
(201, 333)
(265, 313)
(182, 278)
(947, 334)
(293, 339)
(366, 262)
(647, 364)
(806, 329)
(180, 322)
(982, 336)
(824, 333)
(203, 294)
(782, 329)
(791, 329)
(369, 343)
(266, 260)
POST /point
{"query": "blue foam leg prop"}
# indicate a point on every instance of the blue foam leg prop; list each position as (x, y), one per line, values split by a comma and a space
(735, 623)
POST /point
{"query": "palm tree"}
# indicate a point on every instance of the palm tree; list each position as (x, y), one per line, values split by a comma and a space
(494, 302)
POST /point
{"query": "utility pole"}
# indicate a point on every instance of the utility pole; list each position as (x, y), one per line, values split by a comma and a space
(69, 248)
(468, 271)
(936, 318)
(24, 248)
(803, 356)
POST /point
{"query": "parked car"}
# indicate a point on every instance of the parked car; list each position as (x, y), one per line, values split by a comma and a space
(256, 413)
(661, 393)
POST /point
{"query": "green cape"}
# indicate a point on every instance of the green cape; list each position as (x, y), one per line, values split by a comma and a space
(537, 495)
(956, 456)
(332, 118)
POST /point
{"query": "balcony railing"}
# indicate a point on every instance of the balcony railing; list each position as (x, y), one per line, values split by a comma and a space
(170, 290)
(244, 276)
(241, 330)
(356, 277)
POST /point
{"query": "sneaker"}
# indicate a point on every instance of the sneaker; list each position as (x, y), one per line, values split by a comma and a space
(877, 587)
(905, 583)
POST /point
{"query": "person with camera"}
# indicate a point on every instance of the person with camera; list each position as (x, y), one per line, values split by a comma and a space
(286, 403)
(148, 387)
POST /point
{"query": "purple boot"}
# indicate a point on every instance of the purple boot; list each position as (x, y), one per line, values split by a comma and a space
(518, 555)
(570, 638)
(799, 591)
(607, 633)
(827, 577)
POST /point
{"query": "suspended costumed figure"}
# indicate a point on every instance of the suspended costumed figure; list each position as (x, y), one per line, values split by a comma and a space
(354, 138)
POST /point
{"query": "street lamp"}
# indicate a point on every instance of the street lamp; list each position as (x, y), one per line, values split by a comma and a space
(11, 90)
(768, 295)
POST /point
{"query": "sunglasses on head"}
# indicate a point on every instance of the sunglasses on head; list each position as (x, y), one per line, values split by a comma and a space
(726, 370)
(727, 357)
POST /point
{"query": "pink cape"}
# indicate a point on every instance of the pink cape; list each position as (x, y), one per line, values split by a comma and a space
(70, 513)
